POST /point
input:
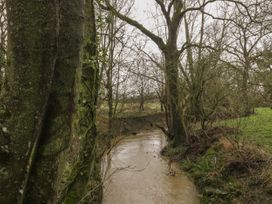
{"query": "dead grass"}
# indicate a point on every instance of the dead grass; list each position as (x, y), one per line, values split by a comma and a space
(226, 170)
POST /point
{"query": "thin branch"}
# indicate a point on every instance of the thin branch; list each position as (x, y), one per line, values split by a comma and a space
(163, 9)
(134, 23)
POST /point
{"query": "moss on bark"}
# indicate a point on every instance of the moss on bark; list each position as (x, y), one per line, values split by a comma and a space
(177, 126)
(31, 57)
(84, 180)
(57, 125)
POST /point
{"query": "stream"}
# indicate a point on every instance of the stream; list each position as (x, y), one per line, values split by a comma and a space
(135, 173)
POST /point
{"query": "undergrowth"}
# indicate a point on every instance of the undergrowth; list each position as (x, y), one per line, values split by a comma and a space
(224, 170)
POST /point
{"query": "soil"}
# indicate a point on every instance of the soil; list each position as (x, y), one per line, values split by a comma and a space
(132, 124)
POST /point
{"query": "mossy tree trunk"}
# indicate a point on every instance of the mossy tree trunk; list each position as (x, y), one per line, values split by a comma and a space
(32, 37)
(36, 124)
(85, 174)
(177, 127)
(58, 120)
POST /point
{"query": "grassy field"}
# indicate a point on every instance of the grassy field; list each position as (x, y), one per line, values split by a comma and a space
(256, 128)
(224, 173)
(131, 108)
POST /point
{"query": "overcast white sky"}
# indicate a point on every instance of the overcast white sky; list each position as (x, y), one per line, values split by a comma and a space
(142, 8)
(141, 12)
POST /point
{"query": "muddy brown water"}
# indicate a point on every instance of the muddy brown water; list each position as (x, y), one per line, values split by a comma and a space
(135, 173)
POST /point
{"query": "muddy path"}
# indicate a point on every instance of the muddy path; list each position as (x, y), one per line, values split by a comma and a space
(135, 173)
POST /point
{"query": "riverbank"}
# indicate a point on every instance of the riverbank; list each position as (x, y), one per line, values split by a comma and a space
(231, 163)
(131, 124)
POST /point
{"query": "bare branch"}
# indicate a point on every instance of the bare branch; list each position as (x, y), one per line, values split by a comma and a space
(156, 39)
(163, 9)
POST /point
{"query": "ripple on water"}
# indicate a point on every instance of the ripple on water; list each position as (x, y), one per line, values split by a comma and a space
(137, 174)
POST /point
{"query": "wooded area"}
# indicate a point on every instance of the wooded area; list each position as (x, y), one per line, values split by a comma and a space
(76, 75)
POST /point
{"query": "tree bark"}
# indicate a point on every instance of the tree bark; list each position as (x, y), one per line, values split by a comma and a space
(58, 120)
(177, 126)
(32, 37)
(85, 174)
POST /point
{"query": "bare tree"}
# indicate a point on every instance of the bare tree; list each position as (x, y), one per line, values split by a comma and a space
(173, 13)
(200, 66)
(113, 46)
(246, 35)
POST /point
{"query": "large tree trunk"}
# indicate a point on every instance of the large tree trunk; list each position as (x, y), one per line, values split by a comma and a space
(176, 127)
(32, 33)
(57, 127)
(85, 176)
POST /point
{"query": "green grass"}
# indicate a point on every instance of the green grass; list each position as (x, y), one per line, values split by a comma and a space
(214, 186)
(216, 174)
(256, 128)
(131, 109)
